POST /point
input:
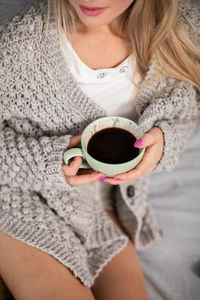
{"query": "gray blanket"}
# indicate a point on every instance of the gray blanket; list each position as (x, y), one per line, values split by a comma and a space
(172, 265)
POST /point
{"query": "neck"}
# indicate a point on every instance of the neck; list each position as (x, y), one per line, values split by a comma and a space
(104, 29)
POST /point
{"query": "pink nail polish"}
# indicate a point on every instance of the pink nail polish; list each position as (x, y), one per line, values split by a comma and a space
(117, 178)
(106, 181)
(80, 133)
(139, 143)
(101, 178)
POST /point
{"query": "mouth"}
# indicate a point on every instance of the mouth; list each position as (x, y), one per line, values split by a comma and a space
(92, 11)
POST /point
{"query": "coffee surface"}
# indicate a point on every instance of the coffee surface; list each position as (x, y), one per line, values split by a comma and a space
(112, 145)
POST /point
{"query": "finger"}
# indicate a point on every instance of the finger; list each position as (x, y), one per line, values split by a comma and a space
(113, 181)
(72, 168)
(144, 166)
(149, 138)
(75, 140)
(84, 179)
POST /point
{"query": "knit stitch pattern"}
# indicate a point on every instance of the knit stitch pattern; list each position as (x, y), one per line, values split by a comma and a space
(42, 107)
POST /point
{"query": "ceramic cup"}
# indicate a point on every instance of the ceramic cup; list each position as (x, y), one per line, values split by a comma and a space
(110, 170)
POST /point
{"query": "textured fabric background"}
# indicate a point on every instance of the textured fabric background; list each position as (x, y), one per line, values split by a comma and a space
(172, 266)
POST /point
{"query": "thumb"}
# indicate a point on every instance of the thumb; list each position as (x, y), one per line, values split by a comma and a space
(148, 138)
(75, 140)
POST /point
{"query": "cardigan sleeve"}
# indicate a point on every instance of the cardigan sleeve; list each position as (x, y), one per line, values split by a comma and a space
(172, 108)
(32, 163)
(170, 104)
(30, 157)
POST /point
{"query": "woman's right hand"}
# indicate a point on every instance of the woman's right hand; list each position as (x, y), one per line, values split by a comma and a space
(73, 175)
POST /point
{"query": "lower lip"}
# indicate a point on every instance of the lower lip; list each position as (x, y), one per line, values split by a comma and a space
(92, 12)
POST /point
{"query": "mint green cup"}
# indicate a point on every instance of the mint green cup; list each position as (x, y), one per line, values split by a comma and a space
(110, 170)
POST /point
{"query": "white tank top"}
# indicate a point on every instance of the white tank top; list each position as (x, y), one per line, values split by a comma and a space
(111, 88)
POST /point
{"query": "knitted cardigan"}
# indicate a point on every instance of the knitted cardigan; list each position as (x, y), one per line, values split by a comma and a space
(42, 107)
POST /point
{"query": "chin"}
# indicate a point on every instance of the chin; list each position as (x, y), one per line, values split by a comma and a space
(93, 23)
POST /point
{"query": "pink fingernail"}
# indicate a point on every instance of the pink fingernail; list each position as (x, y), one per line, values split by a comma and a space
(117, 178)
(139, 143)
(102, 178)
(106, 181)
(80, 133)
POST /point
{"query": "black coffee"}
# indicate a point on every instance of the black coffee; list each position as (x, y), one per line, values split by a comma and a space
(112, 145)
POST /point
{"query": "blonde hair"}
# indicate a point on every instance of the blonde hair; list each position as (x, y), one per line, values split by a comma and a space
(154, 31)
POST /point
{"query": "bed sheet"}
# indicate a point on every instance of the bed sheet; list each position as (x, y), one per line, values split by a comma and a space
(172, 265)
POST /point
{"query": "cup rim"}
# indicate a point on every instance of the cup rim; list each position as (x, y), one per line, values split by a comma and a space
(141, 151)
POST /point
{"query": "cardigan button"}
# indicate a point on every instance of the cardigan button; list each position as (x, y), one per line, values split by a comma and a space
(130, 191)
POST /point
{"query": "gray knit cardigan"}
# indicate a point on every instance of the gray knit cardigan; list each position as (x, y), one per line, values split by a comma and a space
(42, 107)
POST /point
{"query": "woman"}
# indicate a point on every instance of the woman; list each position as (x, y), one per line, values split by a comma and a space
(63, 236)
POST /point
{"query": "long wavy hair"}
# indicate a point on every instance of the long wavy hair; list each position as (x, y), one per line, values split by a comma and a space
(154, 31)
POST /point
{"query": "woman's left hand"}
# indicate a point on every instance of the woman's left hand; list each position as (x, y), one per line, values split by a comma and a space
(153, 140)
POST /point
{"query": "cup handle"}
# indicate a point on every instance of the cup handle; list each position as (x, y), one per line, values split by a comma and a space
(75, 152)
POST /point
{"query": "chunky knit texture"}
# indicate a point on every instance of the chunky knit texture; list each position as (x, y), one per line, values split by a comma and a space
(42, 107)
